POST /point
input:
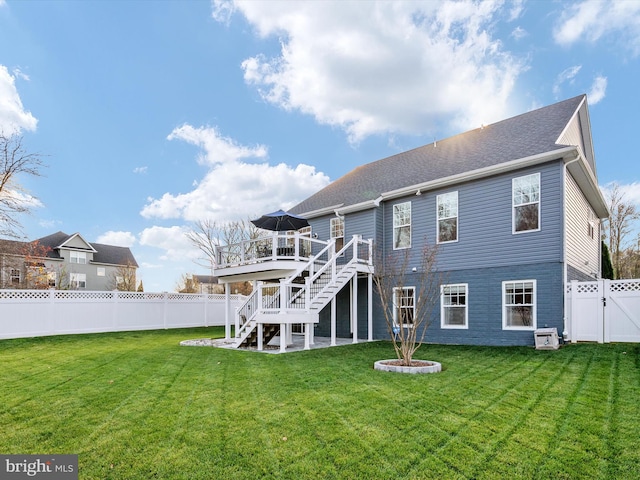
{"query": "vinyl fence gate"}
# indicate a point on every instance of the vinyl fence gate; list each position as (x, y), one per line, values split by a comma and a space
(604, 311)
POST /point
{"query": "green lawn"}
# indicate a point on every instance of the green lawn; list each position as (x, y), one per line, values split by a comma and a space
(138, 406)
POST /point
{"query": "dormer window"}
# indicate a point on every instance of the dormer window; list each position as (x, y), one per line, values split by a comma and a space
(78, 257)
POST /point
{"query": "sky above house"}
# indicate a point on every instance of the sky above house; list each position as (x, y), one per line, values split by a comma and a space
(155, 114)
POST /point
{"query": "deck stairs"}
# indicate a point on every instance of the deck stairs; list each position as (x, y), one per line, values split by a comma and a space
(300, 297)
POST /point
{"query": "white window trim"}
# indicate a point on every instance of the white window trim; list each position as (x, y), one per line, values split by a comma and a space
(334, 234)
(513, 205)
(534, 305)
(393, 233)
(76, 278)
(466, 307)
(78, 255)
(457, 217)
(396, 307)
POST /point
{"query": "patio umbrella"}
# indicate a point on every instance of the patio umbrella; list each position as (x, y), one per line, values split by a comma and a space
(280, 221)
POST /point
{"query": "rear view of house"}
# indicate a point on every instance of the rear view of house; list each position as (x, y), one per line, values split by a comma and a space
(513, 207)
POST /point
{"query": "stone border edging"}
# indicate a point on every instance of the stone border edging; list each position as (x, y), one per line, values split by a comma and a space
(433, 367)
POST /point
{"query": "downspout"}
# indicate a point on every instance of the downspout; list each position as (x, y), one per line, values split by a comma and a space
(565, 332)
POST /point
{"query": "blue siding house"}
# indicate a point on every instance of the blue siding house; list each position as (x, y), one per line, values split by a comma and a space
(514, 208)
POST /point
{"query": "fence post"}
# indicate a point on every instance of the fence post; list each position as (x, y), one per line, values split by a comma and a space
(605, 285)
(206, 309)
(52, 310)
(114, 321)
(165, 298)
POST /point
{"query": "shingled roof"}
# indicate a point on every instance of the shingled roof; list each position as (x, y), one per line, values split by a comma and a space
(108, 254)
(525, 135)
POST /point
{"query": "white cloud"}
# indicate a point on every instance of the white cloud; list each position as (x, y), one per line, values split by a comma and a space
(598, 90)
(18, 73)
(385, 67)
(592, 20)
(233, 189)
(222, 10)
(567, 75)
(519, 33)
(140, 170)
(13, 117)
(172, 240)
(217, 148)
(119, 239)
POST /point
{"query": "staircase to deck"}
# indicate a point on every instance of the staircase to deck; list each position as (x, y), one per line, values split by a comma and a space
(301, 297)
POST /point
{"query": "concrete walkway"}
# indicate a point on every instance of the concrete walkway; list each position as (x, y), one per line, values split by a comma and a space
(274, 344)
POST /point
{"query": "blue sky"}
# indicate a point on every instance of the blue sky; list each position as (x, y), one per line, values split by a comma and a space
(156, 114)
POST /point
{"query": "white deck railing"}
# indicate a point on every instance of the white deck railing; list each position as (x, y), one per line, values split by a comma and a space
(277, 246)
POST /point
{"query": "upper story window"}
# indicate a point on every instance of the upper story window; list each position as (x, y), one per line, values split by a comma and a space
(337, 232)
(101, 271)
(453, 303)
(447, 217)
(404, 306)
(402, 225)
(526, 203)
(591, 225)
(78, 257)
(519, 305)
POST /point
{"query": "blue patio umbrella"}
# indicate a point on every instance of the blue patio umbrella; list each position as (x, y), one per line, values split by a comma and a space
(280, 221)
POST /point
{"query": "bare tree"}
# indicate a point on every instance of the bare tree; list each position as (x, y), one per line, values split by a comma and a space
(408, 297)
(188, 284)
(620, 223)
(206, 235)
(15, 200)
(123, 279)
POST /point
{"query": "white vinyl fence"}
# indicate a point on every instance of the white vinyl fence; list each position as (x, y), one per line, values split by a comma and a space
(604, 311)
(34, 313)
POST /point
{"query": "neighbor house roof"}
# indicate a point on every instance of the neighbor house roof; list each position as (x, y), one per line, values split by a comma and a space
(525, 136)
(108, 254)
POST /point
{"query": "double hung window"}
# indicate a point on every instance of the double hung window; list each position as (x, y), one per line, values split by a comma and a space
(78, 280)
(78, 257)
(526, 203)
(337, 232)
(404, 306)
(448, 217)
(402, 225)
(454, 312)
(519, 305)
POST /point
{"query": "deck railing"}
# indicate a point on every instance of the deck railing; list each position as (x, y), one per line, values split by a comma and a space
(278, 246)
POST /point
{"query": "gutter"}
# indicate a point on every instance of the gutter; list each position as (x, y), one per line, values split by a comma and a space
(564, 153)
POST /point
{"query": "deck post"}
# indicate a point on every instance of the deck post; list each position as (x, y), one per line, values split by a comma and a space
(260, 333)
(283, 337)
(227, 311)
(307, 336)
(370, 307)
(354, 310)
(333, 321)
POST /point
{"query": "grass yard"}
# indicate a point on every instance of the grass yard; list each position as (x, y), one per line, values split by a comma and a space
(138, 406)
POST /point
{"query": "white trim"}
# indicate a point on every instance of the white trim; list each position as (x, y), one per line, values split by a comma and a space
(443, 325)
(566, 154)
(396, 307)
(393, 225)
(538, 202)
(534, 306)
(457, 217)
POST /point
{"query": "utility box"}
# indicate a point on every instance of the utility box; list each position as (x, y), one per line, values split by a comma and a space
(546, 339)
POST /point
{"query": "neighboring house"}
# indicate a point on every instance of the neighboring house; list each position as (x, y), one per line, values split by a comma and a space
(66, 262)
(514, 208)
(208, 284)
